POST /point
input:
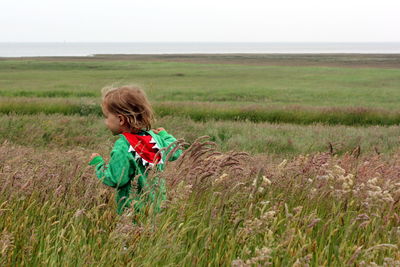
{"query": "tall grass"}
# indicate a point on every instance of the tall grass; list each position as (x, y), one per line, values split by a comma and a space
(222, 209)
(211, 111)
(280, 140)
(48, 93)
(66, 106)
(333, 201)
(288, 114)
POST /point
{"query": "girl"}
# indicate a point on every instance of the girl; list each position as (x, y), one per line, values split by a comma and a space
(128, 114)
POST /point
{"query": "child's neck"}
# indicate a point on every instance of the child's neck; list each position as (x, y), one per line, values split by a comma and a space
(127, 130)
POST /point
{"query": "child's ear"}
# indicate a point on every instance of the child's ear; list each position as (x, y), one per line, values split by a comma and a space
(122, 120)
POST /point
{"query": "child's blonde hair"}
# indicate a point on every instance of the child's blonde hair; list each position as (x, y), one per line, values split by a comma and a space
(132, 103)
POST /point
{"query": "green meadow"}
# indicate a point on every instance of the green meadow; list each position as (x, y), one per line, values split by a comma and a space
(286, 105)
(287, 94)
(300, 166)
(218, 83)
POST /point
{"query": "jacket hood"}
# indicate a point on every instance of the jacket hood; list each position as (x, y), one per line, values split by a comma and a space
(145, 148)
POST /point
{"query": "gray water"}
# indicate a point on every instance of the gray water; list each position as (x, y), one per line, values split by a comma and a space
(89, 49)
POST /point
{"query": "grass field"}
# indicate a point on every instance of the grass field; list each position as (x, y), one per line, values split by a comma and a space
(226, 83)
(319, 184)
(279, 140)
(259, 93)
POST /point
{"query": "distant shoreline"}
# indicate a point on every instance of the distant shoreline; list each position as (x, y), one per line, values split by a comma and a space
(356, 60)
(17, 49)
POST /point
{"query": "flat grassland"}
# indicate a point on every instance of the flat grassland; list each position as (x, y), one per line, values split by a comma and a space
(320, 184)
(283, 107)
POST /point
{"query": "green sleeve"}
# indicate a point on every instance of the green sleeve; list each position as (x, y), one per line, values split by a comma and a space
(169, 139)
(117, 172)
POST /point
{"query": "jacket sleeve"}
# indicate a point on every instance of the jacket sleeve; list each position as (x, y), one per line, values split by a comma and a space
(117, 172)
(169, 139)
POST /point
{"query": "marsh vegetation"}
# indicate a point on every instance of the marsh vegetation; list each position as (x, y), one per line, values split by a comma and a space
(301, 166)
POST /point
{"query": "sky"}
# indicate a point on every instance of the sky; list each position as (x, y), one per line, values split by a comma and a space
(199, 21)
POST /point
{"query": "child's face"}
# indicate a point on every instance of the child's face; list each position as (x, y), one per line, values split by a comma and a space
(113, 122)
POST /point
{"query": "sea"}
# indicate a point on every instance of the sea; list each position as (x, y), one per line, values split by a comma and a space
(62, 49)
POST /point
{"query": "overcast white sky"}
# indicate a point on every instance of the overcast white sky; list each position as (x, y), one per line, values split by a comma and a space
(201, 20)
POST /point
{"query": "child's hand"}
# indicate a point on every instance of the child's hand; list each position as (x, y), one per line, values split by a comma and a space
(156, 131)
(94, 155)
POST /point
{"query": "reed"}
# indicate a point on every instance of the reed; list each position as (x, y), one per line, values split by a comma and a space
(222, 209)
(198, 111)
(280, 140)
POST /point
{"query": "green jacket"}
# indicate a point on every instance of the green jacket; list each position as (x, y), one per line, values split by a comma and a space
(123, 168)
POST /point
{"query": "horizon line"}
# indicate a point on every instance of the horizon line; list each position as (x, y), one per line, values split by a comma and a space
(225, 42)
